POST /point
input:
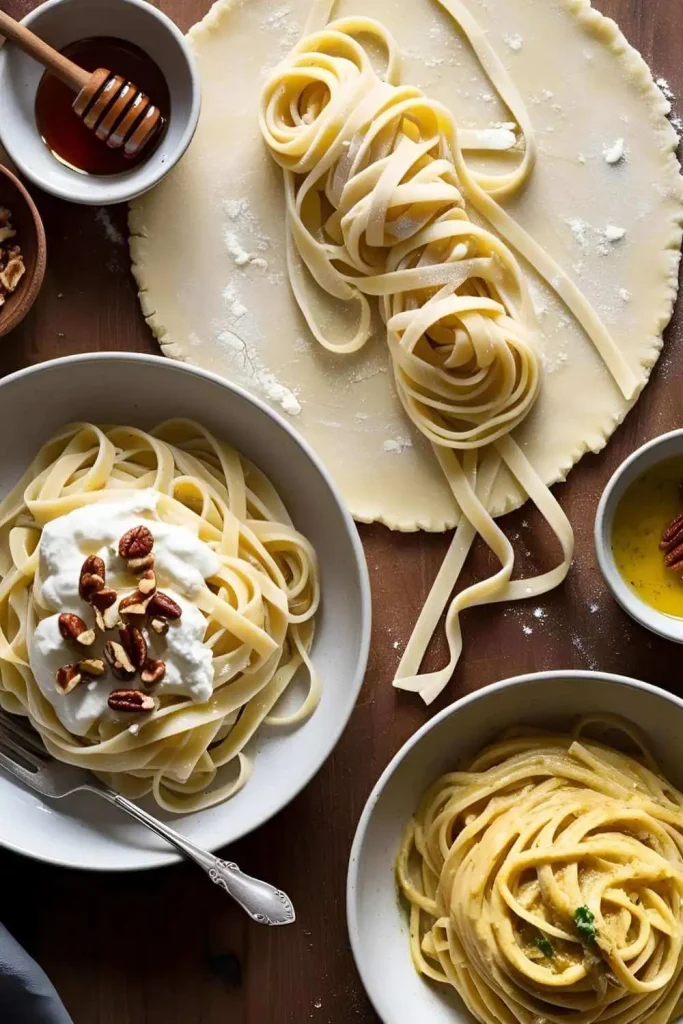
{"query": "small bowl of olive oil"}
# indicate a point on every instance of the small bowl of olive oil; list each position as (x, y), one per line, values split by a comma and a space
(639, 535)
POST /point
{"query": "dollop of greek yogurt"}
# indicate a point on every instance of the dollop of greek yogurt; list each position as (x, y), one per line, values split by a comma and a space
(182, 564)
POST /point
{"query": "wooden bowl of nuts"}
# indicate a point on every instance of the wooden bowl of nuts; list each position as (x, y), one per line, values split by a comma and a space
(23, 251)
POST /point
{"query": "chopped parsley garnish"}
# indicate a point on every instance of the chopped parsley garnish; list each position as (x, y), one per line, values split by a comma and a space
(544, 945)
(585, 926)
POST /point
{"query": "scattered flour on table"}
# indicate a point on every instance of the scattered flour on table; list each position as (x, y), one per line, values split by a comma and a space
(540, 613)
(665, 88)
(527, 630)
(668, 93)
(578, 643)
(103, 217)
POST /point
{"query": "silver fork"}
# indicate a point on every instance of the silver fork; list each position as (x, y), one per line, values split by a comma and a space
(23, 755)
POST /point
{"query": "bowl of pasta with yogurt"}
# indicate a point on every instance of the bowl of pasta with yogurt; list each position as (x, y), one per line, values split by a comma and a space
(521, 859)
(184, 606)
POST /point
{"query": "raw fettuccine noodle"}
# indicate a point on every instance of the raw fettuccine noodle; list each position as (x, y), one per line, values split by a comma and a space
(376, 190)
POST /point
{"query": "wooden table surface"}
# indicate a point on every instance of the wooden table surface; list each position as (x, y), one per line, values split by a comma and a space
(162, 947)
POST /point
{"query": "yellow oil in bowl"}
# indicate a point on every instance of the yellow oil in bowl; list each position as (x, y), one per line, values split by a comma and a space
(646, 509)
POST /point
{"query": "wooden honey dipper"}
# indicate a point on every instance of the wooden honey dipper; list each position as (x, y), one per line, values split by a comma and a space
(118, 112)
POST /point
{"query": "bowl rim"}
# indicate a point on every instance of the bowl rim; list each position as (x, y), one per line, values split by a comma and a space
(355, 856)
(667, 626)
(353, 689)
(29, 293)
(119, 192)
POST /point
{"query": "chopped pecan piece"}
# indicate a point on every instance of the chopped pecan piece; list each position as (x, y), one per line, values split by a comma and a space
(134, 645)
(74, 630)
(92, 667)
(68, 677)
(148, 583)
(160, 626)
(138, 565)
(117, 656)
(104, 598)
(152, 672)
(163, 605)
(135, 604)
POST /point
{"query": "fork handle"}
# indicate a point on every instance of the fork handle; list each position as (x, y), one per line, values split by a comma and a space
(262, 902)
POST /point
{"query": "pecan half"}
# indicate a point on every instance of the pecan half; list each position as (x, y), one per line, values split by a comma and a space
(673, 534)
(135, 604)
(674, 560)
(130, 700)
(92, 667)
(672, 544)
(92, 577)
(74, 630)
(148, 583)
(160, 626)
(134, 645)
(117, 656)
(67, 678)
(152, 672)
(162, 604)
(136, 543)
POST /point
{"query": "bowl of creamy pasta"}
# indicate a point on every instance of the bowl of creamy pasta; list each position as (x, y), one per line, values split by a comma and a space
(184, 605)
(521, 859)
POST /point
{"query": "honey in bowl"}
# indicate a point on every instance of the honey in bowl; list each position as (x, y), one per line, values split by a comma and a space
(65, 134)
(645, 511)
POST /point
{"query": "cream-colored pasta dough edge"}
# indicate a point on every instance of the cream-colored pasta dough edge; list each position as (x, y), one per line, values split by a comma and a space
(506, 495)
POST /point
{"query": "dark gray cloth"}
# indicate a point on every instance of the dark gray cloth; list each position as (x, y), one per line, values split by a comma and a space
(26, 993)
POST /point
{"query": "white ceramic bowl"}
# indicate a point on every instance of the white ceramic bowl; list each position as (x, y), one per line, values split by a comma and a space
(84, 831)
(60, 22)
(666, 446)
(378, 924)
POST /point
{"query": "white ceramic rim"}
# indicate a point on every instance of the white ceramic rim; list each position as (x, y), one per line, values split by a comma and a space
(164, 859)
(137, 184)
(368, 978)
(667, 626)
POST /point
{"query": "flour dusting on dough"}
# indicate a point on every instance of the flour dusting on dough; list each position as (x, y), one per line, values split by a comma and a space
(615, 153)
(248, 361)
(515, 42)
(397, 444)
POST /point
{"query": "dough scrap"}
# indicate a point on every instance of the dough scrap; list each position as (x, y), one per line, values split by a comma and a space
(208, 244)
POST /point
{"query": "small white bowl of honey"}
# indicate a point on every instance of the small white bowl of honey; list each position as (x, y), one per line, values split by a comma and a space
(46, 139)
(639, 535)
